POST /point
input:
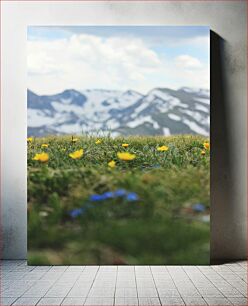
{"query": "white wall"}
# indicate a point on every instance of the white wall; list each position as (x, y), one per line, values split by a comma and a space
(229, 97)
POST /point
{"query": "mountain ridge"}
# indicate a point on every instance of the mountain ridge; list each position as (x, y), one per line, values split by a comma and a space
(162, 111)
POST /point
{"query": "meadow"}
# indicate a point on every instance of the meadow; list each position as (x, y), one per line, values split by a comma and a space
(125, 200)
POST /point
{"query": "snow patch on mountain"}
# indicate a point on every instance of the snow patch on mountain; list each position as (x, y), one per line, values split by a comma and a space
(198, 91)
(203, 100)
(70, 128)
(61, 108)
(166, 132)
(195, 127)
(174, 117)
(201, 108)
(197, 116)
(140, 120)
(37, 118)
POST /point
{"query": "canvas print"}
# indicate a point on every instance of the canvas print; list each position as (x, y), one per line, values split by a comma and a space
(118, 147)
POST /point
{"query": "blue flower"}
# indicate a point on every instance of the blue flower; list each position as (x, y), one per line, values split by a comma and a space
(108, 195)
(198, 207)
(120, 193)
(132, 196)
(97, 197)
(76, 212)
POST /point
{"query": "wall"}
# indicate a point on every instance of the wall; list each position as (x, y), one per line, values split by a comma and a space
(228, 104)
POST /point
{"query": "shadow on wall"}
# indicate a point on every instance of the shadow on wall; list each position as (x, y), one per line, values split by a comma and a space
(222, 203)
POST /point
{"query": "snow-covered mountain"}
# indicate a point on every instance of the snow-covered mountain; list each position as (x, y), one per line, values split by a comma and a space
(162, 111)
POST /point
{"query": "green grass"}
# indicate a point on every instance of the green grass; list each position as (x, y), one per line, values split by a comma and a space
(159, 228)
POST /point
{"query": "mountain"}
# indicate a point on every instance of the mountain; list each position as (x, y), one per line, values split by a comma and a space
(162, 111)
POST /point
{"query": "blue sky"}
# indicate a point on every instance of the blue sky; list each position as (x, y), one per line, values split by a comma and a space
(117, 57)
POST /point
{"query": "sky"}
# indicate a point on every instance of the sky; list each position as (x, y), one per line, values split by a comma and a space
(117, 57)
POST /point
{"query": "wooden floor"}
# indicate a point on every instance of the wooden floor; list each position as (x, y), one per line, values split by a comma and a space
(123, 285)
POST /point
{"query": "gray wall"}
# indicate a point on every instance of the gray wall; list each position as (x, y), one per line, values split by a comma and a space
(227, 19)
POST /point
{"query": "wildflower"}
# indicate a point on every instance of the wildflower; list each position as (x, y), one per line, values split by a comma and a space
(112, 164)
(29, 139)
(96, 197)
(101, 197)
(203, 152)
(44, 145)
(76, 212)
(42, 157)
(74, 139)
(108, 195)
(132, 197)
(126, 156)
(125, 145)
(120, 193)
(163, 148)
(77, 154)
(98, 141)
(198, 207)
(206, 145)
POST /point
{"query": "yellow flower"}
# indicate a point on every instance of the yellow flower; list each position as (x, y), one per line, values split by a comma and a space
(112, 164)
(206, 145)
(125, 145)
(29, 139)
(203, 152)
(44, 145)
(98, 141)
(163, 148)
(126, 156)
(42, 157)
(74, 139)
(77, 154)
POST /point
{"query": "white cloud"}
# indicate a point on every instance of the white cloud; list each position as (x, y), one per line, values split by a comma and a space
(87, 61)
(187, 61)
